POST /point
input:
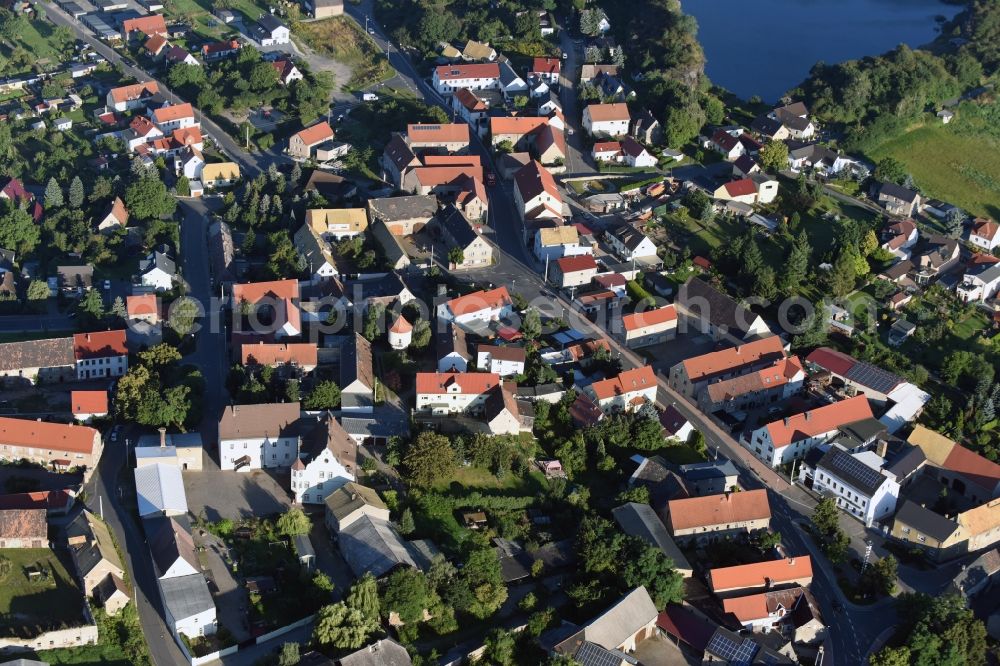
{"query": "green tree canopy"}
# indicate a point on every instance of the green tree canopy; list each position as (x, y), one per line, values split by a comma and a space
(340, 627)
(429, 459)
(293, 522)
(325, 395)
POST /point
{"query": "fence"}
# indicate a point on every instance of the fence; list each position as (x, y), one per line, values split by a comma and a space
(285, 629)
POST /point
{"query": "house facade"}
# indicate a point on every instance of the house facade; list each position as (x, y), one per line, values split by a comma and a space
(100, 354)
(481, 76)
(651, 327)
(858, 482)
(606, 120)
(326, 462)
(258, 436)
(628, 392)
(55, 446)
(711, 517)
(454, 392)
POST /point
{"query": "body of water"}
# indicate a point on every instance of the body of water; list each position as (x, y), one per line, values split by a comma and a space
(765, 47)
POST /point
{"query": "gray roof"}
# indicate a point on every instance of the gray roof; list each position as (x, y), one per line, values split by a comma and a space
(168, 542)
(716, 306)
(75, 276)
(160, 488)
(182, 440)
(861, 432)
(404, 208)
(385, 421)
(186, 596)
(990, 274)
(270, 23)
(303, 545)
(372, 545)
(592, 654)
(629, 236)
(24, 662)
(98, 548)
(634, 611)
(641, 521)
(385, 652)
(158, 259)
(507, 73)
(897, 191)
(350, 497)
(852, 471)
(712, 469)
(908, 462)
(977, 573)
(456, 226)
(926, 521)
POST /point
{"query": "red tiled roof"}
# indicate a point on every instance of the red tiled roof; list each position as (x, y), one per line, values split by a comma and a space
(134, 91)
(279, 353)
(142, 126)
(254, 292)
(982, 471)
(99, 345)
(173, 112)
(443, 175)
(637, 379)
(220, 47)
(517, 125)
(437, 133)
(490, 70)
(318, 133)
(714, 363)
(148, 25)
(155, 44)
(89, 402)
(143, 304)
(818, 421)
(546, 65)
(607, 147)
(43, 499)
(467, 99)
(649, 318)
(479, 300)
(773, 572)
(607, 112)
(469, 383)
(581, 262)
(45, 435)
(452, 160)
(739, 188)
(401, 325)
(985, 228)
(724, 509)
(14, 190)
(836, 362)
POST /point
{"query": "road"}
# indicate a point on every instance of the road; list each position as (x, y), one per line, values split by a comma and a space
(35, 323)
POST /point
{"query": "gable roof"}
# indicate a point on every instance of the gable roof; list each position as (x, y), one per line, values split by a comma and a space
(773, 376)
(468, 383)
(862, 373)
(298, 353)
(173, 112)
(898, 192)
(637, 379)
(561, 235)
(818, 421)
(620, 622)
(220, 171)
(356, 363)
(43, 434)
(327, 435)
(350, 497)
(89, 402)
(490, 70)
(580, 262)
(480, 300)
(254, 292)
(982, 519)
(946, 453)
(317, 133)
(437, 133)
(159, 488)
(373, 545)
(457, 226)
(517, 125)
(926, 521)
(984, 228)
(719, 308)
(100, 344)
(261, 420)
(49, 353)
(739, 188)
(641, 520)
(721, 509)
(466, 98)
(714, 363)
(608, 112)
(391, 209)
(759, 574)
(384, 652)
(638, 320)
(533, 179)
(149, 25)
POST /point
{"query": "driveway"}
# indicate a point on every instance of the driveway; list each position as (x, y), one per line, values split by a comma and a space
(328, 558)
(215, 494)
(230, 597)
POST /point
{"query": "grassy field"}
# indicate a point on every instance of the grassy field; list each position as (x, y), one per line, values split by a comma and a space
(30, 606)
(962, 168)
(199, 14)
(476, 478)
(341, 39)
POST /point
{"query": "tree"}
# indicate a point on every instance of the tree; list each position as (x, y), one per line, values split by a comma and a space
(160, 356)
(429, 459)
(76, 193)
(590, 22)
(38, 290)
(499, 648)
(184, 313)
(325, 395)
(955, 220)
(531, 326)
(766, 541)
(147, 198)
(817, 330)
(293, 523)
(340, 627)
(826, 517)
(482, 577)
(373, 321)
(184, 190)
(868, 244)
(890, 170)
(406, 524)
(793, 280)
(289, 655)
(18, 231)
(456, 256)
(843, 275)
(118, 308)
(421, 336)
(91, 306)
(881, 575)
(890, 656)
(774, 156)
(407, 594)
(363, 596)
(697, 442)
(647, 565)
(945, 632)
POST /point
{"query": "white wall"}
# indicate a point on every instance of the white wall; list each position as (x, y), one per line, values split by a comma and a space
(263, 452)
(321, 477)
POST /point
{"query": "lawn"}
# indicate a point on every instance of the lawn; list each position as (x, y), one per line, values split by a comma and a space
(199, 14)
(702, 238)
(476, 478)
(680, 454)
(29, 607)
(87, 655)
(343, 40)
(960, 167)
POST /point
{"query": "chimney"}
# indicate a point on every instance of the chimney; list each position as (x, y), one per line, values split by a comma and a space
(881, 448)
(808, 415)
(786, 420)
(163, 438)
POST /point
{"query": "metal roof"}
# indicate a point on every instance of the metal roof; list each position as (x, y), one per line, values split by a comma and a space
(159, 488)
(186, 596)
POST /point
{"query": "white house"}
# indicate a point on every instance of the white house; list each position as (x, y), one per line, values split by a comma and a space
(510, 83)
(635, 154)
(258, 436)
(474, 76)
(606, 119)
(900, 237)
(980, 283)
(271, 31)
(173, 117)
(479, 306)
(628, 392)
(607, 151)
(454, 392)
(158, 271)
(505, 361)
(188, 605)
(860, 483)
(780, 442)
(985, 234)
(651, 327)
(629, 243)
(100, 354)
(536, 195)
(189, 163)
(554, 243)
(400, 333)
(326, 462)
(452, 350)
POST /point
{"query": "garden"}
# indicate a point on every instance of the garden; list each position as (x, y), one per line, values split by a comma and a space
(37, 593)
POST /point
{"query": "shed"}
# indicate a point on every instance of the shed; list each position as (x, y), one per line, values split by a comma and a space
(304, 551)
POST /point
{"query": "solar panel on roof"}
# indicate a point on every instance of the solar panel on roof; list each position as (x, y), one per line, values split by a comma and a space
(857, 471)
(591, 654)
(726, 647)
(873, 377)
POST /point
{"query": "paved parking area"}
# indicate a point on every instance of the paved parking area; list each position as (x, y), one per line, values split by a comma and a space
(215, 494)
(230, 597)
(685, 345)
(660, 651)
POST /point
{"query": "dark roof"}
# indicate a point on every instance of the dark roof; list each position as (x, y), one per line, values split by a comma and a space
(628, 236)
(270, 23)
(898, 191)
(851, 470)
(75, 276)
(328, 435)
(926, 521)
(261, 420)
(907, 462)
(50, 353)
(169, 542)
(712, 469)
(356, 363)
(404, 208)
(898, 270)
(682, 623)
(158, 259)
(766, 126)
(456, 226)
(385, 652)
(452, 340)
(330, 185)
(719, 308)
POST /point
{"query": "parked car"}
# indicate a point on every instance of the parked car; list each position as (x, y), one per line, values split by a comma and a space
(369, 97)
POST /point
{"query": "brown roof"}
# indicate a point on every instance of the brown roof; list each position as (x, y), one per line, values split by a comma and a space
(639, 320)
(469, 383)
(24, 524)
(329, 435)
(770, 377)
(361, 369)
(438, 133)
(518, 125)
(318, 133)
(50, 353)
(715, 363)
(984, 228)
(818, 421)
(773, 572)
(533, 179)
(254, 292)
(489, 70)
(724, 509)
(504, 352)
(247, 421)
(173, 112)
(606, 112)
(100, 344)
(637, 379)
(42, 434)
